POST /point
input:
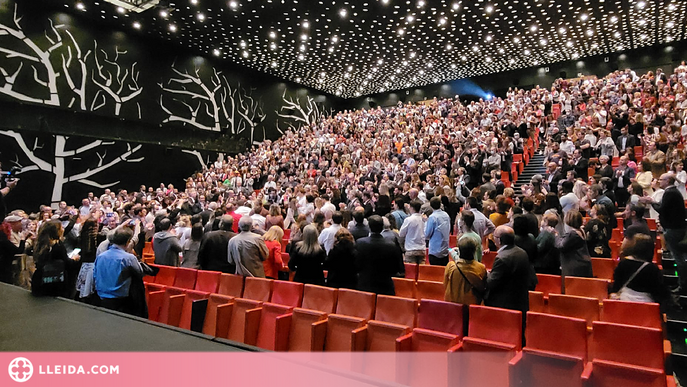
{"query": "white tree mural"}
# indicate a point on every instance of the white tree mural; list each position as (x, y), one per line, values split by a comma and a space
(117, 82)
(38, 57)
(77, 82)
(298, 114)
(203, 162)
(251, 113)
(61, 154)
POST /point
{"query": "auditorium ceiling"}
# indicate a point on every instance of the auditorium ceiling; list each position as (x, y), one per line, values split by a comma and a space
(351, 48)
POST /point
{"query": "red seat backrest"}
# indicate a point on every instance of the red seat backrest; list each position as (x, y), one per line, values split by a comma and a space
(170, 312)
(431, 273)
(627, 344)
(508, 330)
(405, 287)
(431, 290)
(287, 293)
(547, 283)
(340, 332)
(543, 369)
(397, 310)
(230, 285)
(210, 322)
(424, 340)
(488, 259)
(187, 307)
(267, 331)
(411, 270)
(612, 374)
(537, 303)
(356, 303)
(166, 275)
(586, 308)
(208, 281)
(441, 316)
(186, 278)
(603, 268)
(570, 334)
(301, 334)
(258, 289)
(632, 313)
(237, 324)
(381, 336)
(320, 298)
(587, 287)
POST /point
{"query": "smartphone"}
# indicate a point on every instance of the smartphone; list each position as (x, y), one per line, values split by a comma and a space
(74, 253)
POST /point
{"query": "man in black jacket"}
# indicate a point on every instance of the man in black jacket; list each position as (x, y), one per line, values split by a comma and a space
(512, 276)
(212, 254)
(671, 215)
(378, 260)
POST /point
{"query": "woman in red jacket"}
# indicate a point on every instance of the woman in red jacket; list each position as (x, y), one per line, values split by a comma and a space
(273, 263)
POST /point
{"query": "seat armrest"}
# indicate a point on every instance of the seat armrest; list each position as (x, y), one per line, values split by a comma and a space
(282, 329)
(250, 335)
(223, 319)
(404, 343)
(359, 339)
(319, 331)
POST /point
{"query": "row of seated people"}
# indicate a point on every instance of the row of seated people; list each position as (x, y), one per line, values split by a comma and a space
(625, 343)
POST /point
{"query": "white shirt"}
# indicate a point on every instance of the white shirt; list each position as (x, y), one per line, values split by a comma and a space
(243, 211)
(328, 237)
(569, 201)
(258, 221)
(413, 230)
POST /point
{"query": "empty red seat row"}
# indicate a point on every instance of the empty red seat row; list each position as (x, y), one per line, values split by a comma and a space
(576, 286)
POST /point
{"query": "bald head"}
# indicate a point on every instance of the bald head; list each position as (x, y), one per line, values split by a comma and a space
(504, 236)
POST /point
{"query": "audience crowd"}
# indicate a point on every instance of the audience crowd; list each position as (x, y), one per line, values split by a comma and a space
(362, 192)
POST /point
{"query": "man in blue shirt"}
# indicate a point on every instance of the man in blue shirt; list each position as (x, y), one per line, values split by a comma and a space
(437, 231)
(113, 271)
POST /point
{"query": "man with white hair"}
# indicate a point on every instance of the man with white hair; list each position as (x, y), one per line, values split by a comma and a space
(247, 250)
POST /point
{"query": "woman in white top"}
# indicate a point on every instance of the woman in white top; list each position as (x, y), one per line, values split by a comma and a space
(680, 177)
(644, 178)
(606, 145)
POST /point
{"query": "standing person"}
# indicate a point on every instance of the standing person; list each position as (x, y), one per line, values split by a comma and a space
(468, 232)
(274, 218)
(598, 232)
(548, 256)
(523, 239)
(378, 260)
(213, 253)
(340, 262)
(307, 258)
(671, 215)
(437, 231)
(247, 250)
(575, 259)
(512, 276)
(274, 263)
(413, 233)
(166, 245)
(359, 229)
(680, 177)
(622, 178)
(328, 235)
(636, 278)
(399, 213)
(192, 247)
(465, 279)
(114, 271)
(88, 243)
(7, 252)
(54, 269)
(483, 226)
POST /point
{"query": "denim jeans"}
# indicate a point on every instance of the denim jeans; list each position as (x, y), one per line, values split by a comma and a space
(673, 237)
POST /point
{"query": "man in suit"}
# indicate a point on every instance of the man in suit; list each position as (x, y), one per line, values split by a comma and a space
(580, 165)
(212, 254)
(552, 176)
(622, 180)
(378, 260)
(625, 141)
(512, 276)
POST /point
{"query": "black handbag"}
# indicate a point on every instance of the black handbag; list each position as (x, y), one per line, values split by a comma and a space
(54, 273)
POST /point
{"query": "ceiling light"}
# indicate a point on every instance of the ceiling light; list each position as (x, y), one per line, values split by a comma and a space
(302, 47)
(401, 31)
(305, 24)
(671, 7)
(343, 12)
(245, 54)
(379, 62)
(136, 25)
(534, 28)
(323, 74)
(350, 68)
(475, 48)
(617, 34)
(121, 10)
(449, 47)
(297, 79)
(335, 39)
(614, 19)
(242, 44)
(430, 65)
(412, 55)
(543, 42)
(163, 13)
(561, 30)
(330, 49)
(455, 6)
(215, 52)
(347, 75)
(641, 4)
(273, 46)
(233, 4)
(173, 28)
(516, 39)
(489, 9)
(272, 35)
(670, 24)
(304, 37)
(501, 51)
(442, 21)
(488, 59)
(421, 72)
(201, 17)
(463, 57)
(80, 7)
(527, 52)
(488, 38)
(642, 22)
(405, 63)
(453, 66)
(569, 44)
(410, 18)
(584, 17)
(301, 56)
(194, 2)
(421, 3)
(590, 32)
(385, 2)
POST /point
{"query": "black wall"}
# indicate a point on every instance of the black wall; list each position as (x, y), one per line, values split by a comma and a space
(642, 60)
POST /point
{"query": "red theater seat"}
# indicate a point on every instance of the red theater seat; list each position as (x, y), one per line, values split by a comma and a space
(186, 278)
(536, 368)
(397, 310)
(508, 330)
(441, 316)
(430, 290)
(587, 287)
(547, 283)
(603, 268)
(642, 314)
(307, 331)
(170, 312)
(187, 307)
(428, 369)
(274, 323)
(570, 334)
(287, 293)
(611, 374)
(478, 362)
(411, 270)
(232, 319)
(431, 273)
(585, 308)
(488, 259)
(356, 304)
(166, 275)
(537, 303)
(344, 333)
(208, 281)
(405, 287)
(230, 285)
(210, 322)
(381, 336)
(154, 299)
(258, 289)
(320, 298)
(627, 344)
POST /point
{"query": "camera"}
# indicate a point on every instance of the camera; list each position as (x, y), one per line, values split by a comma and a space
(7, 176)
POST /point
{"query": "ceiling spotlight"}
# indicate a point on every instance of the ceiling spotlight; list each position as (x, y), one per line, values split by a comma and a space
(641, 4)
(398, 71)
(215, 52)
(301, 56)
(455, 6)
(488, 38)
(442, 21)
(242, 44)
(379, 62)
(421, 3)
(80, 7)
(245, 54)
(392, 77)
(323, 74)
(335, 39)
(562, 30)
(534, 28)
(489, 9)
(421, 72)
(453, 66)
(330, 49)
(405, 63)
(410, 18)
(273, 46)
(302, 47)
(488, 59)
(401, 31)
(614, 19)
(430, 65)
(194, 2)
(475, 48)
(201, 17)
(304, 37)
(511, 61)
(501, 51)
(385, 2)
(463, 58)
(412, 55)
(347, 75)
(642, 22)
(670, 24)
(584, 17)
(350, 68)
(297, 79)
(305, 24)
(121, 10)
(669, 38)
(527, 52)
(671, 7)
(233, 4)
(272, 35)
(590, 32)
(449, 47)
(516, 39)
(543, 42)
(343, 12)
(173, 28)
(163, 13)
(136, 25)
(575, 55)
(569, 44)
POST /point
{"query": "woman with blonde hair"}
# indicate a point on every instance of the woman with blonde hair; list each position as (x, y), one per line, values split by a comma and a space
(273, 264)
(307, 258)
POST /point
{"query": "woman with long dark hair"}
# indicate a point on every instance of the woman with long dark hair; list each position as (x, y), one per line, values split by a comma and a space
(598, 232)
(54, 269)
(307, 258)
(88, 243)
(340, 262)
